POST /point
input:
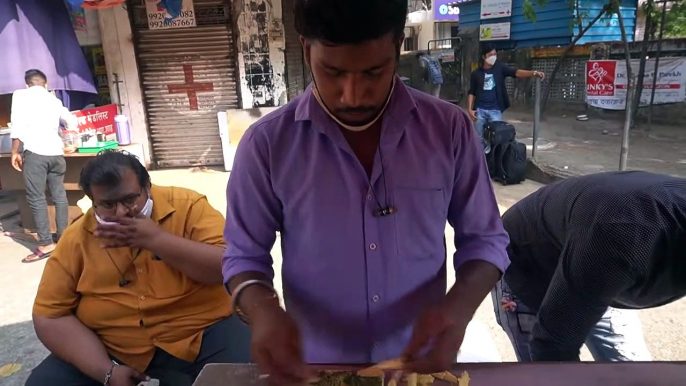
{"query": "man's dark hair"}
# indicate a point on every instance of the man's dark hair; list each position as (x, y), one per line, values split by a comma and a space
(486, 48)
(341, 22)
(420, 54)
(33, 73)
(108, 169)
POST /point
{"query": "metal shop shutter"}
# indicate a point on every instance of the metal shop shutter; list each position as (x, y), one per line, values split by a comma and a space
(187, 76)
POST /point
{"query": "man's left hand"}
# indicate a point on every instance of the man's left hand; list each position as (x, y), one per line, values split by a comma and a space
(132, 232)
(436, 339)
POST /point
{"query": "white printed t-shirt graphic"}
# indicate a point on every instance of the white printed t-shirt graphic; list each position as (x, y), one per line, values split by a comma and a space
(489, 82)
(35, 117)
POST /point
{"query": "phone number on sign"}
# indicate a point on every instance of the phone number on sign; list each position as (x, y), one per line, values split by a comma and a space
(160, 15)
(171, 23)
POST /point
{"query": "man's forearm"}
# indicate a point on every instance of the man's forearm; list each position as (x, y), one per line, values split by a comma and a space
(74, 343)
(201, 262)
(474, 280)
(16, 144)
(255, 299)
(525, 73)
(470, 102)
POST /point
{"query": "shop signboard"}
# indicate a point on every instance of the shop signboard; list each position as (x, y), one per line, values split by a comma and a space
(446, 10)
(606, 82)
(494, 31)
(78, 20)
(98, 120)
(445, 56)
(556, 52)
(162, 17)
(491, 9)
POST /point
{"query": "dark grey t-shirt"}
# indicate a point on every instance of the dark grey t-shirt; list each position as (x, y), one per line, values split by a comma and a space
(587, 243)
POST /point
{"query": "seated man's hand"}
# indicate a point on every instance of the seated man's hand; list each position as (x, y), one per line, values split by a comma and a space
(132, 232)
(126, 376)
(276, 347)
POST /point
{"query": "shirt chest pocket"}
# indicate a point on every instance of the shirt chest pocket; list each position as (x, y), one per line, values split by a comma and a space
(420, 223)
(164, 281)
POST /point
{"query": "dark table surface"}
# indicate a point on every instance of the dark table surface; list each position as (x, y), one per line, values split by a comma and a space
(503, 374)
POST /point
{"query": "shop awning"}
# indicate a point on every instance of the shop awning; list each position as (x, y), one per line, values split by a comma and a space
(171, 6)
(94, 4)
(39, 34)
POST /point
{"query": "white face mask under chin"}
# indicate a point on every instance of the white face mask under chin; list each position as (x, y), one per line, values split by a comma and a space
(145, 212)
(364, 127)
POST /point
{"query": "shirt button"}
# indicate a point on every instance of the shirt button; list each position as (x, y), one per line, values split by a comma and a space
(372, 246)
(141, 271)
(369, 197)
(376, 344)
(375, 298)
(142, 297)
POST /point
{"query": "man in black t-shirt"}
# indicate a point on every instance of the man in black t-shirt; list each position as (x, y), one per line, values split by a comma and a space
(487, 93)
(586, 251)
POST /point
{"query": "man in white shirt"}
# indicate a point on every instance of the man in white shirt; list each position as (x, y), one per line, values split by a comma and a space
(36, 117)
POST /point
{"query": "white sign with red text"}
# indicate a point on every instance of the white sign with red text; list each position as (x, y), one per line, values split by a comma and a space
(159, 17)
(606, 82)
(491, 9)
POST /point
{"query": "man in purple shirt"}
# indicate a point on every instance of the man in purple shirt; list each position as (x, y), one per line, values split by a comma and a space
(359, 175)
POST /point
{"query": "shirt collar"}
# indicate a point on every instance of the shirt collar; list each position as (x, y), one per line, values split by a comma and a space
(401, 104)
(161, 209)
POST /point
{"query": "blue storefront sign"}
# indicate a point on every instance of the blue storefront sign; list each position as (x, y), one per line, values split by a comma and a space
(446, 10)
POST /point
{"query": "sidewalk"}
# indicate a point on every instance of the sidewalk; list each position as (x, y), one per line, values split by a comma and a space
(663, 327)
(19, 282)
(572, 147)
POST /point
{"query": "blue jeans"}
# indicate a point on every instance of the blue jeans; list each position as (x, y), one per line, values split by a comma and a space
(618, 336)
(482, 118)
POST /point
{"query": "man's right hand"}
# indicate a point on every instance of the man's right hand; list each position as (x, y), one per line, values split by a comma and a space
(276, 346)
(472, 115)
(126, 376)
(17, 161)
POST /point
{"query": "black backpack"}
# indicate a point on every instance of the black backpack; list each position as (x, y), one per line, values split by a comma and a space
(499, 132)
(509, 162)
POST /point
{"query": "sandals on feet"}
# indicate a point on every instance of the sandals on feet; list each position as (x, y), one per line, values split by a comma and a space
(37, 255)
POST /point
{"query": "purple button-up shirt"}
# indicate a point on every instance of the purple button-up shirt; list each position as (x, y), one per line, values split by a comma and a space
(355, 283)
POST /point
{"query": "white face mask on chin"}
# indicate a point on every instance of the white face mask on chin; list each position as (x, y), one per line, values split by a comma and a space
(145, 212)
(491, 60)
(364, 127)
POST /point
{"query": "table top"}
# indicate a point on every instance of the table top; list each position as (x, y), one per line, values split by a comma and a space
(510, 374)
(72, 155)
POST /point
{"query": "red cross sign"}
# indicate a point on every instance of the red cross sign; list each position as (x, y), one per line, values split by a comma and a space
(190, 88)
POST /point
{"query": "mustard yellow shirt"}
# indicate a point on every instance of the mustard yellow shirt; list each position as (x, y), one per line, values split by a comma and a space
(162, 307)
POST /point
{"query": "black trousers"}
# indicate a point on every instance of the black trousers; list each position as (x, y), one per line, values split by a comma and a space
(41, 171)
(227, 341)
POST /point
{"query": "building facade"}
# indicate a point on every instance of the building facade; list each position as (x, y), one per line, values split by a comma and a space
(173, 82)
(504, 23)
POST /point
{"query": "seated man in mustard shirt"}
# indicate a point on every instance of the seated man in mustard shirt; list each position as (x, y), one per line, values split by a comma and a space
(134, 289)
